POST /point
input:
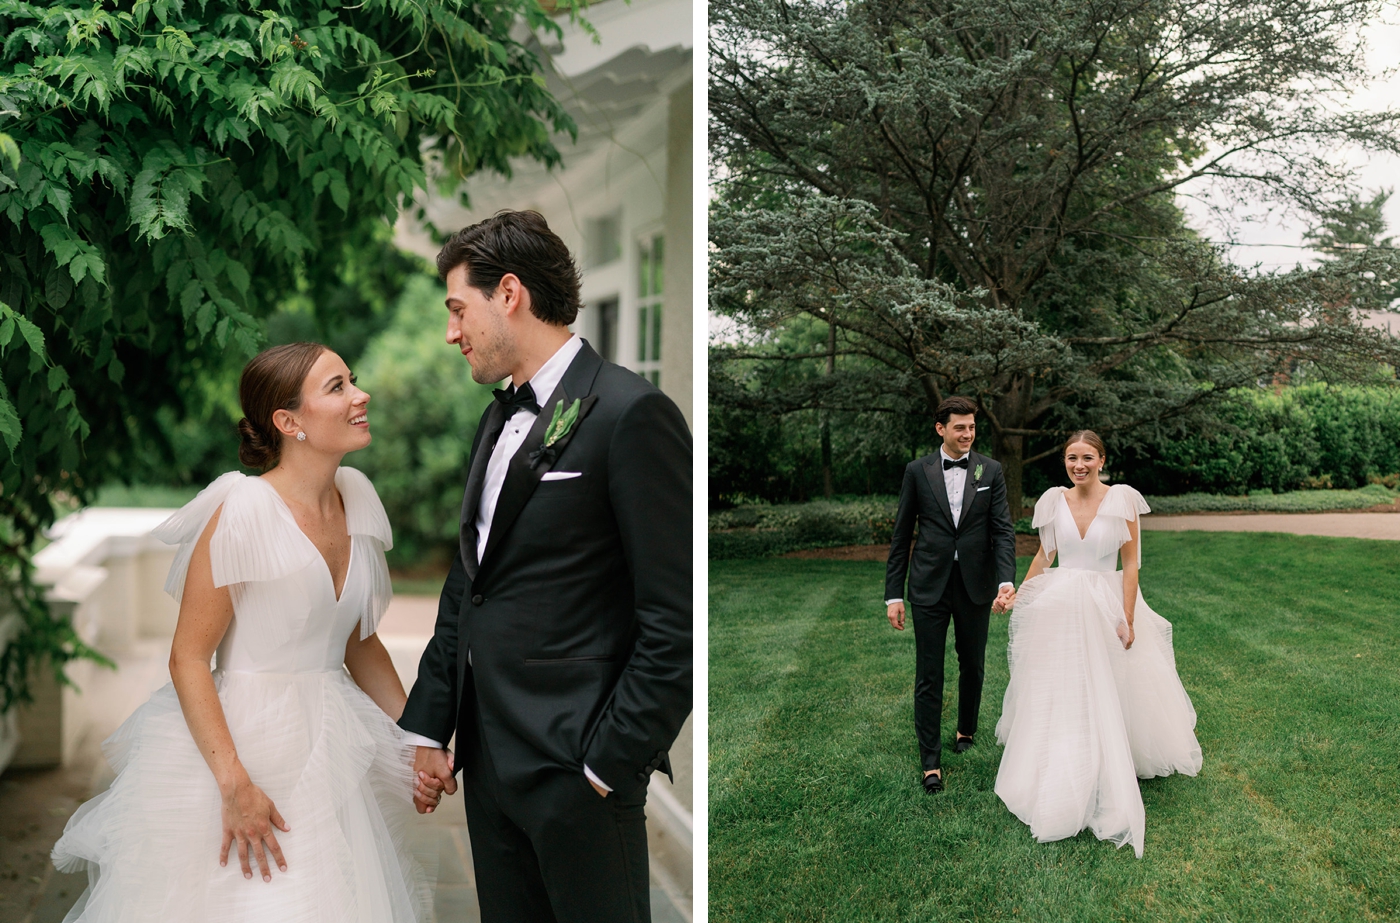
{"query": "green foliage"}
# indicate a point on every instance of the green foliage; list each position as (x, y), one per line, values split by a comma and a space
(423, 411)
(760, 531)
(1353, 223)
(171, 172)
(980, 198)
(1262, 440)
(1296, 501)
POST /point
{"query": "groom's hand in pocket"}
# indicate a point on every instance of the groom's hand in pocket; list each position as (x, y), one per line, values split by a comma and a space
(432, 770)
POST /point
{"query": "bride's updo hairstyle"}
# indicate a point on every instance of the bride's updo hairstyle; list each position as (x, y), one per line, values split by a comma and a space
(1088, 437)
(271, 382)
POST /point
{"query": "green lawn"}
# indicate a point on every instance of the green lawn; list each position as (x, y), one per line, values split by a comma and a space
(1288, 645)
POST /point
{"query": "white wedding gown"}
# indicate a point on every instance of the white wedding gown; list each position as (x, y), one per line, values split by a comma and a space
(332, 762)
(1084, 719)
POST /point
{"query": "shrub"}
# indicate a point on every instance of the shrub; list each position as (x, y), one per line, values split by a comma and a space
(1312, 436)
(762, 531)
(1298, 501)
(423, 411)
(759, 531)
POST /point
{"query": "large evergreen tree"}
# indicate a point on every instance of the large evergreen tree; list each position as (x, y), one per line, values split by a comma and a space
(980, 198)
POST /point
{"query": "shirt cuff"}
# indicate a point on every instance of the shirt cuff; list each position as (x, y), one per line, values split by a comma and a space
(1002, 586)
(418, 740)
(595, 780)
(889, 601)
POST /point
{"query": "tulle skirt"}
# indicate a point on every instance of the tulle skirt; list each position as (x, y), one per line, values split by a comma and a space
(332, 762)
(1083, 719)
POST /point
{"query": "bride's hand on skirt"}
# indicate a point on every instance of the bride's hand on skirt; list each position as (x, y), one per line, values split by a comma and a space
(249, 817)
(1126, 635)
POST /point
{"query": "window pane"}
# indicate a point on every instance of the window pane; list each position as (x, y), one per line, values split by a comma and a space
(642, 335)
(658, 262)
(607, 329)
(643, 271)
(656, 332)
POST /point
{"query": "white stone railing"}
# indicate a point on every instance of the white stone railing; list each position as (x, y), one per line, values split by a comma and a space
(105, 572)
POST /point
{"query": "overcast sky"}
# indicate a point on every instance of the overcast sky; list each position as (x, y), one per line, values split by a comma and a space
(1275, 243)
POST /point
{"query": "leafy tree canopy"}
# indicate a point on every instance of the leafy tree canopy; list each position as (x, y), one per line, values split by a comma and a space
(171, 170)
(980, 198)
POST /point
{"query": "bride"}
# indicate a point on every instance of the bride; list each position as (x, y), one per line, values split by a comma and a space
(277, 759)
(1094, 702)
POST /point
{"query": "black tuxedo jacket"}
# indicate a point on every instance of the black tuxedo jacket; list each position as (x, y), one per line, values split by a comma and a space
(984, 539)
(578, 616)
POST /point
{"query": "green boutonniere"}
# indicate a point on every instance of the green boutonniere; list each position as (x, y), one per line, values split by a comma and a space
(562, 421)
(559, 426)
(977, 474)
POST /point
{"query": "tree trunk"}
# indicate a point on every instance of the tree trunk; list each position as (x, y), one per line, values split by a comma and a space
(1010, 450)
(826, 454)
(1011, 410)
(826, 414)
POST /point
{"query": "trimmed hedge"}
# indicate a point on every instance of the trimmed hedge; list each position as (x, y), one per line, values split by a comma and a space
(764, 531)
(1306, 436)
(1297, 501)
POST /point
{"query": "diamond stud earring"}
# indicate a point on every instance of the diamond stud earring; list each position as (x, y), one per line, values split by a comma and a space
(301, 437)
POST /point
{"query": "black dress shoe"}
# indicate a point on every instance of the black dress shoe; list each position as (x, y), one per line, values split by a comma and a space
(933, 782)
(962, 744)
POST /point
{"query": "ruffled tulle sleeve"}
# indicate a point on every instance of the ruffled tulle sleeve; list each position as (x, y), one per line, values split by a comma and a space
(365, 517)
(1044, 519)
(187, 524)
(1122, 505)
(257, 537)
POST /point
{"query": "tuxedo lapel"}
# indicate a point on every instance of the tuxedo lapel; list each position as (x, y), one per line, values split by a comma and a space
(488, 431)
(933, 470)
(969, 489)
(521, 476)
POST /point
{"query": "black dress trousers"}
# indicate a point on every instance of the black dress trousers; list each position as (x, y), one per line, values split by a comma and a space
(557, 853)
(970, 622)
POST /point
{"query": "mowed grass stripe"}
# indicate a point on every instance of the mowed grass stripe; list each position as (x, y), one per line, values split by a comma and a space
(1293, 816)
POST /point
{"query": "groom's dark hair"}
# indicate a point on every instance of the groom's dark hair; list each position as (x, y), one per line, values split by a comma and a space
(954, 405)
(522, 244)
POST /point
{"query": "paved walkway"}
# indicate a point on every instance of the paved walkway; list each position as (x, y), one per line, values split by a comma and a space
(1340, 525)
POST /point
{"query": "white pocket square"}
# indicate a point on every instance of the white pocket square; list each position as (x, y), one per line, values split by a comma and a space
(979, 490)
(561, 475)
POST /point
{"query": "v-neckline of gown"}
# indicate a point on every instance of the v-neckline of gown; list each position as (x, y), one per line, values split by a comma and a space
(325, 565)
(1094, 519)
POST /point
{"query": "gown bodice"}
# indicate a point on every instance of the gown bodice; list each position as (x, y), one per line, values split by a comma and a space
(1097, 549)
(286, 615)
(333, 762)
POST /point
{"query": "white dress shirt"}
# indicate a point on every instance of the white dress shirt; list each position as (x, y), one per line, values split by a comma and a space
(511, 439)
(954, 479)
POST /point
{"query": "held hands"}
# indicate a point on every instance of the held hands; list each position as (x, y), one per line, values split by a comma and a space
(249, 817)
(895, 613)
(1006, 597)
(433, 771)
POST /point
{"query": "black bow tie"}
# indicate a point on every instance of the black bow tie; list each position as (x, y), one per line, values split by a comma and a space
(513, 399)
(960, 463)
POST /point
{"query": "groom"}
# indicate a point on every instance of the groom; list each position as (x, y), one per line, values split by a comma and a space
(561, 657)
(962, 566)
